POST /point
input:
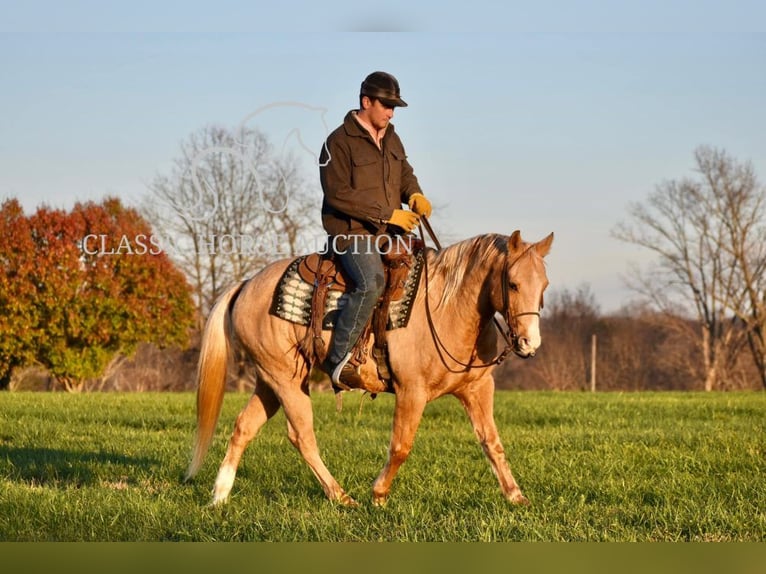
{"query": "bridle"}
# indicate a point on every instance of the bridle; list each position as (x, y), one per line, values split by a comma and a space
(508, 315)
(510, 336)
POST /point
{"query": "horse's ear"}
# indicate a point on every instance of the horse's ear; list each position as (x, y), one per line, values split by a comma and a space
(544, 247)
(514, 242)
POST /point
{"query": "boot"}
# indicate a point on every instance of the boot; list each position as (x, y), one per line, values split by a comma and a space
(343, 375)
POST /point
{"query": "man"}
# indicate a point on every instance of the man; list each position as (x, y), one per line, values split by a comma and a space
(365, 178)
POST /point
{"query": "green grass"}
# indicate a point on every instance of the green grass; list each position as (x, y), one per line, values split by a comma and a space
(621, 467)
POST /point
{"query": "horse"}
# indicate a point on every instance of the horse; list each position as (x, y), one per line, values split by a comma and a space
(449, 347)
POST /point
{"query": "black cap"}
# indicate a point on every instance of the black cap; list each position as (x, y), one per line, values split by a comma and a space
(384, 87)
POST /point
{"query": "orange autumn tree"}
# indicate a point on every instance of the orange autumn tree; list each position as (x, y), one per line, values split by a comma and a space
(18, 319)
(79, 288)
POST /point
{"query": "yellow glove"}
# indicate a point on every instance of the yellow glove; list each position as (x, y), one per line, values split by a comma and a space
(407, 220)
(419, 204)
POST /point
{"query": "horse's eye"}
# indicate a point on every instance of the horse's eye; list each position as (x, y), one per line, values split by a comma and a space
(513, 286)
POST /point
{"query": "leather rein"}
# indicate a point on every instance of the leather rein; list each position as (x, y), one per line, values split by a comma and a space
(510, 336)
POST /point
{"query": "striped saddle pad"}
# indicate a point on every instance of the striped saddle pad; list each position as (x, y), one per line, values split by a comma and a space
(292, 299)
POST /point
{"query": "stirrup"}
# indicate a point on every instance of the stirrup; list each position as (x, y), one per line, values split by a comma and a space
(337, 375)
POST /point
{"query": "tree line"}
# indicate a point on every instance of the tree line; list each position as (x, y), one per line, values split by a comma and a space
(96, 298)
(637, 348)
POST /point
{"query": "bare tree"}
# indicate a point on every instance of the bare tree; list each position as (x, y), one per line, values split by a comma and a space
(687, 225)
(740, 201)
(229, 206)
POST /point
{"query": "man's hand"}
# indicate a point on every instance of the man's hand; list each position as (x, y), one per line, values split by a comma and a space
(407, 220)
(419, 204)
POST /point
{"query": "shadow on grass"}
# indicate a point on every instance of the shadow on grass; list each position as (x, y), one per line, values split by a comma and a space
(68, 468)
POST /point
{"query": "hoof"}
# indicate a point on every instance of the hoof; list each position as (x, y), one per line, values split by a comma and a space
(379, 501)
(518, 499)
(346, 500)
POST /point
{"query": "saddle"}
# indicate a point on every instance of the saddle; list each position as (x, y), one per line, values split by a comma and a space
(326, 274)
(320, 268)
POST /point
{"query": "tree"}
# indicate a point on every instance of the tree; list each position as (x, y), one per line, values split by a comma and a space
(740, 202)
(691, 226)
(83, 288)
(18, 319)
(229, 206)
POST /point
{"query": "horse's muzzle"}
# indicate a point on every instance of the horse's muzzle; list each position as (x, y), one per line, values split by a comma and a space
(524, 354)
(524, 347)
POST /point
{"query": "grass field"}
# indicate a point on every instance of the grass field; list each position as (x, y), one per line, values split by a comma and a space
(596, 467)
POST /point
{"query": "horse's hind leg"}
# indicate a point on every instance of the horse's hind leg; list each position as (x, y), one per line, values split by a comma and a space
(478, 401)
(261, 407)
(300, 431)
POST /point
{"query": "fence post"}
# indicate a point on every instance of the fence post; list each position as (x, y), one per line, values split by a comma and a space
(593, 363)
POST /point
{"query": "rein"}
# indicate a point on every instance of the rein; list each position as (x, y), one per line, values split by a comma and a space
(510, 337)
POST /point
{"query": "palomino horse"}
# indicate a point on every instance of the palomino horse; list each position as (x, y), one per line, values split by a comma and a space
(449, 347)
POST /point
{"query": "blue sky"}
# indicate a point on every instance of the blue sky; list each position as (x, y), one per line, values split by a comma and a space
(542, 132)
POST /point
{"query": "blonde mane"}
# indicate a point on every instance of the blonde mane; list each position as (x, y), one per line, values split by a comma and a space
(462, 259)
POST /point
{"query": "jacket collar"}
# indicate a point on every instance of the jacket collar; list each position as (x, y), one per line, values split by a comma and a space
(354, 127)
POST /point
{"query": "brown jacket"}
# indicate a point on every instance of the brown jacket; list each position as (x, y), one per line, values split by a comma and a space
(362, 184)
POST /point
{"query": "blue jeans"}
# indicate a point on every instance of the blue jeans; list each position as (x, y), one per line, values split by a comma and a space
(365, 269)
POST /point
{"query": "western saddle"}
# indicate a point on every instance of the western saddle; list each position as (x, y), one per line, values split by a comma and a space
(323, 272)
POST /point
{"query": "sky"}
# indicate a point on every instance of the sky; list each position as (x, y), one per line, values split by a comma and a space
(558, 129)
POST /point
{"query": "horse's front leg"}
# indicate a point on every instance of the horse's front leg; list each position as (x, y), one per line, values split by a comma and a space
(478, 401)
(407, 415)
